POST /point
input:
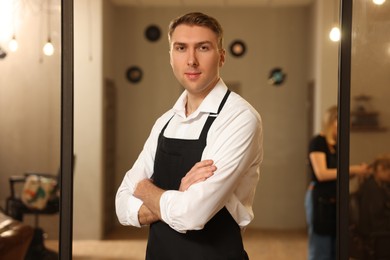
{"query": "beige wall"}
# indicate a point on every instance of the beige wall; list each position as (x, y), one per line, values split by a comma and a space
(274, 37)
(281, 37)
(325, 60)
(278, 37)
(88, 84)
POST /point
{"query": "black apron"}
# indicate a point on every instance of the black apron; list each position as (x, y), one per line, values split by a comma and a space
(221, 236)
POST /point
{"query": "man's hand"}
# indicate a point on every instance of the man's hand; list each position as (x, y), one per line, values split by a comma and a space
(150, 194)
(146, 216)
(199, 172)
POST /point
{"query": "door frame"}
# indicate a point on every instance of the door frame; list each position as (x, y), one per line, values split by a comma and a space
(67, 95)
(344, 94)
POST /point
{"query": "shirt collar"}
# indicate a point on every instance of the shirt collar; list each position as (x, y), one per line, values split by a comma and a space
(209, 105)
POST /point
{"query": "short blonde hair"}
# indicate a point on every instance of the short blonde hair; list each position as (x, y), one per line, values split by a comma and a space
(198, 19)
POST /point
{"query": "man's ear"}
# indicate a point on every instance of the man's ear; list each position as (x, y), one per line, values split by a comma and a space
(222, 57)
(170, 58)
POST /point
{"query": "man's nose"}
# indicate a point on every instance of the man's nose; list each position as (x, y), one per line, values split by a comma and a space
(192, 60)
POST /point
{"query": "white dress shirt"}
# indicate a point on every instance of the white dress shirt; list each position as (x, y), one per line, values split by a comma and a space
(234, 143)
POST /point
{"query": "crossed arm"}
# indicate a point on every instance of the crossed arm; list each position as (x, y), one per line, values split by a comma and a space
(237, 155)
(150, 194)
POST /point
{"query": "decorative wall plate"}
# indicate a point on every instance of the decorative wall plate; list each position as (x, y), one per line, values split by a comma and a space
(276, 76)
(153, 33)
(134, 74)
(237, 48)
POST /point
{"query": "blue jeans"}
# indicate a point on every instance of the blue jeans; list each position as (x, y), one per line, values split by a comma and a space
(320, 247)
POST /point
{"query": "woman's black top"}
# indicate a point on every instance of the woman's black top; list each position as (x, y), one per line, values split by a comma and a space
(319, 144)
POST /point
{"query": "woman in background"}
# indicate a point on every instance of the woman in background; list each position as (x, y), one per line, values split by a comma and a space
(320, 201)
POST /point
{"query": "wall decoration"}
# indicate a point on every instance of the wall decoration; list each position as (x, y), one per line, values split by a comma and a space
(237, 48)
(134, 74)
(363, 115)
(152, 33)
(276, 76)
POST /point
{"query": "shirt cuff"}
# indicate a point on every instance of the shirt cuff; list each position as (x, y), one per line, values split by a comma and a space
(165, 201)
(132, 213)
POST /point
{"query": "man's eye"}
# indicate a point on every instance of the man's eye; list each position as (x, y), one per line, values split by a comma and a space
(204, 48)
(180, 48)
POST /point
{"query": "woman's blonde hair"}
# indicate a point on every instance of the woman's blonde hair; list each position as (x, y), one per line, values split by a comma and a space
(328, 121)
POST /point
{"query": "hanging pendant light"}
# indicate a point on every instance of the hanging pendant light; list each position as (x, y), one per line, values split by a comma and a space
(335, 33)
(379, 2)
(13, 44)
(48, 48)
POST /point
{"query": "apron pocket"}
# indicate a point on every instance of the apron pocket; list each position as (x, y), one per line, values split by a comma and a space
(166, 170)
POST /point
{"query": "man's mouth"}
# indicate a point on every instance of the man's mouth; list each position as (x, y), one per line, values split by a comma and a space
(192, 75)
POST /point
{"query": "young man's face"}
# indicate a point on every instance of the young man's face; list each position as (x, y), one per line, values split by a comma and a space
(195, 58)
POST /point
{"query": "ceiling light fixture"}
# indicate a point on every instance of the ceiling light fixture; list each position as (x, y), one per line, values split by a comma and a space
(13, 44)
(379, 2)
(335, 33)
(48, 48)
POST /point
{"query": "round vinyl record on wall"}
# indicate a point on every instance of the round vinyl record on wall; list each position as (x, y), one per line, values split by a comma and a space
(276, 76)
(134, 74)
(237, 48)
(152, 33)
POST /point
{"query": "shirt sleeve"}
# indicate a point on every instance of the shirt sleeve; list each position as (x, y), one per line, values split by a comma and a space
(126, 205)
(318, 144)
(235, 144)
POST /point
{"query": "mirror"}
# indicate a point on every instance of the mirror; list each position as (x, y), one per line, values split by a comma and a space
(30, 89)
(369, 136)
(96, 180)
(113, 117)
(381, 130)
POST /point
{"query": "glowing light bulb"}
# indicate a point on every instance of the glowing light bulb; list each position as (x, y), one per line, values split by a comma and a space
(48, 49)
(13, 44)
(335, 34)
(378, 2)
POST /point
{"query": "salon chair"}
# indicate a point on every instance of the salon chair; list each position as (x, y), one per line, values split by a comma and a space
(17, 209)
(15, 238)
(370, 245)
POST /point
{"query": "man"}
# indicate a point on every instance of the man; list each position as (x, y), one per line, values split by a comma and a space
(195, 179)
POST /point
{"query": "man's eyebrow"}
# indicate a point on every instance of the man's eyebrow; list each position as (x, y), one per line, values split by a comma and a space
(198, 43)
(179, 43)
(204, 42)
